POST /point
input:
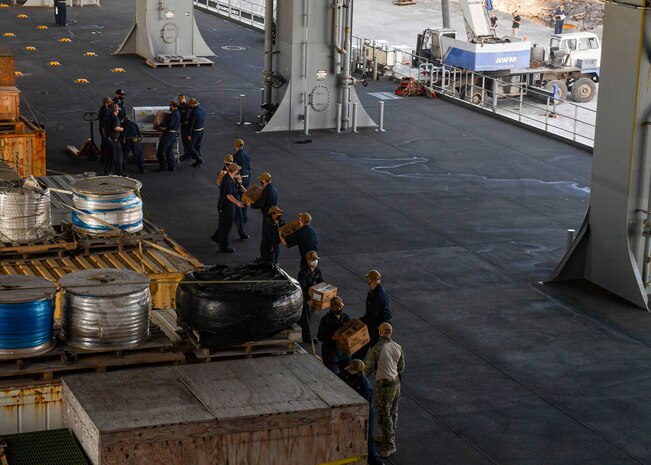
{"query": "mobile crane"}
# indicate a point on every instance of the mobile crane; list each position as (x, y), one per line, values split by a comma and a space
(571, 65)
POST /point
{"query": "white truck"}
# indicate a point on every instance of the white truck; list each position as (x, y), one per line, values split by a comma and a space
(513, 66)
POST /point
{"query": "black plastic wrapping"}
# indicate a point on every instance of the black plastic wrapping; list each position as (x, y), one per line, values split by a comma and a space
(224, 315)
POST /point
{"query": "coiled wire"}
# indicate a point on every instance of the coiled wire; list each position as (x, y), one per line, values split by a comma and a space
(106, 199)
(105, 308)
(25, 214)
(26, 314)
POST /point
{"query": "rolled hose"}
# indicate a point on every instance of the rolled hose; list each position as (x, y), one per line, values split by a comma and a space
(223, 315)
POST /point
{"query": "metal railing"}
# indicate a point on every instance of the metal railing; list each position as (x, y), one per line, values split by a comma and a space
(531, 106)
(247, 12)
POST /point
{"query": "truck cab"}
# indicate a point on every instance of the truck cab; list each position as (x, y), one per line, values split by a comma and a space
(583, 48)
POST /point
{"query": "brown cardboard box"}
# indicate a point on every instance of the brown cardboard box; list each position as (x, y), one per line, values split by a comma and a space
(287, 232)
(321, 294)
(352, 336)
(159, 118)
(252, 194)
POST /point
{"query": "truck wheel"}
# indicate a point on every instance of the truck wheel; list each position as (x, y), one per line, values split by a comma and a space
(583, 90)
(562, 88)
(472, 94)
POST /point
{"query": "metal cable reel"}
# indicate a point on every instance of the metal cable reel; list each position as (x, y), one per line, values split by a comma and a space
(105, 308)
(25, 214)
(105, 204)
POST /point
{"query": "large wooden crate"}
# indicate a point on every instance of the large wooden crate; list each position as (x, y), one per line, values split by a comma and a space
(24, 150)
(9, 104)
(7, 68)
(277, 410)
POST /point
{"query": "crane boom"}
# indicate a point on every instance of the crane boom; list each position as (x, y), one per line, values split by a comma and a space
(476, 19)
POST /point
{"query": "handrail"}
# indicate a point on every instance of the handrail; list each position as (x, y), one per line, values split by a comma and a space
(561, 117)
(246, 12)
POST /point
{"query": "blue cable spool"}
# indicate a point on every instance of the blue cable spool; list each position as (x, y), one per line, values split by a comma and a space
(101, 201)
(26, 314)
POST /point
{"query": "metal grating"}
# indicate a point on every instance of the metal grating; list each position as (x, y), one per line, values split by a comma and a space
(54, 447)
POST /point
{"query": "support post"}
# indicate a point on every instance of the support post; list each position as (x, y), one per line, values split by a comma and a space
(306, 120)
(381, 126)
(354, 116)
(338, 118)
(242, 107)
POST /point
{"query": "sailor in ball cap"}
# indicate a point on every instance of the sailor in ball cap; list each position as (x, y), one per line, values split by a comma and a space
(353, 375)
(333, 357)
(169, 127)
(377, 309)
(387, 361)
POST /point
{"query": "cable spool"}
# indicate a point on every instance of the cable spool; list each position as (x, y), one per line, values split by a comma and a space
(105, 308)
(25, 214)
(109, 199)
(26, 315)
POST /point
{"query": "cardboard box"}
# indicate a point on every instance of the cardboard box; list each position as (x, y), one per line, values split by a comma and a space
(252, 194)
(321, 295)
(159, 118)
(262, 411)
(287, 232)
(352, 336)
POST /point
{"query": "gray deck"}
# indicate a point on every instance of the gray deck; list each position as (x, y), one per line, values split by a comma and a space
(463, 215)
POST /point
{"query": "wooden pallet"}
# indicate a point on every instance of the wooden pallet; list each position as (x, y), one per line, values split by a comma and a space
(65, 359)
(52, 246)
(283, 343)
(91, 244)
(172, 60)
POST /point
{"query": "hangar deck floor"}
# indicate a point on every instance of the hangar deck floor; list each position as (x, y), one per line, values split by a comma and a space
(464, 216)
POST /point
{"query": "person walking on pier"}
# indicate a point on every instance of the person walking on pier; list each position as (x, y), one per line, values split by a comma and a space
(515, 26)
(559, 18)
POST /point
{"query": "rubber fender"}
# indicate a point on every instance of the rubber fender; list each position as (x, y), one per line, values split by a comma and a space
(224, 315)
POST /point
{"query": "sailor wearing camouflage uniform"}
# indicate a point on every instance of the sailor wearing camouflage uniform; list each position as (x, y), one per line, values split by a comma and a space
(387, 360)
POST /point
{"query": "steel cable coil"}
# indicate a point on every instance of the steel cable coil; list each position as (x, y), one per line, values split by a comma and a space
(25, 214)
(104, 201)
(26, 314)
(105, 308)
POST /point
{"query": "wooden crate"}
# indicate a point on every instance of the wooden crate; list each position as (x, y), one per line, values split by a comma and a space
(24, 151)
(321, 295)
(9, 104)
(352, 336)
(7, 68)
(262, 411)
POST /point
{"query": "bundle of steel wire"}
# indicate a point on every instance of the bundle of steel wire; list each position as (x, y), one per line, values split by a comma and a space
(25, 214)
(105, 308)
(106, 205)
